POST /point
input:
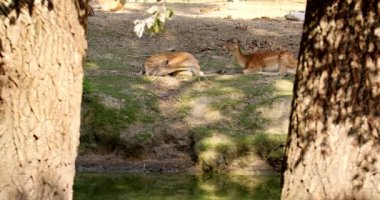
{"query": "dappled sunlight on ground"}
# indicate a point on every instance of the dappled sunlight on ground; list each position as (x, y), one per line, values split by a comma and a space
(201, 113)
(91, 65)
(207, 187)
(225, 77)
(236, 10)
(249, 164)
(218, 141)
(277, 117)
(284, 87)
(277, 113)
(159, 122)
(165, 83)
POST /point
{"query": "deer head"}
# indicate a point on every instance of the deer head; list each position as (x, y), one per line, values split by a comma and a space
(231, 45)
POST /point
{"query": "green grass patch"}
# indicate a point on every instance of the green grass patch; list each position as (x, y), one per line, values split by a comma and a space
(174, 186)
(143, 136)
(250, 118)
(140, 104)
(102, 125)
(118, 59)
(270, 147)
(217, 147)
(239, 99)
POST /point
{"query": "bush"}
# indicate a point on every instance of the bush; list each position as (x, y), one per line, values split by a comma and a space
(270, 148)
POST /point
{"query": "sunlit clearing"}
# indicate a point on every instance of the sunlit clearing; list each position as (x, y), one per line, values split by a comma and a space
(166, 82)
(225, 77)
(139, 86)
(277, 115)
(209, 156)
(201, 113)
(207, 187)
(217, 141)
(284, 87)
(230, 90)
(243, 10)
(91, 65)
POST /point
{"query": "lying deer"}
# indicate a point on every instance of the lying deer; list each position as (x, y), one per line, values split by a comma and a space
(262, 62)
(171, 63)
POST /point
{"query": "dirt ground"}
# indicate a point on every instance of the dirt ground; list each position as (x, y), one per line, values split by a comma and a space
(199, 28)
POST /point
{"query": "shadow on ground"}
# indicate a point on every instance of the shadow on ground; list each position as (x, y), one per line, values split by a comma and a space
(171, 123)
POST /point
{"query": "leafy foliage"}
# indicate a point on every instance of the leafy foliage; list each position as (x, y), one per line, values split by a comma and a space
(155, 23)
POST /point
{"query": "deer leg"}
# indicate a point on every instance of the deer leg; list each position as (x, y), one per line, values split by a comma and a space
(142, 71)
(271, 70)
(200, 73)
(154, 73)
(252, 71)
(195, 72)
(270, 73)
(204, 76)
(147, 72)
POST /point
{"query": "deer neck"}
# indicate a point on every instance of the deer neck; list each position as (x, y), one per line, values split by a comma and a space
(240, 58)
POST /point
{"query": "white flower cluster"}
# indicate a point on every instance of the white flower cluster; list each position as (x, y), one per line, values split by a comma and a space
(155, 22)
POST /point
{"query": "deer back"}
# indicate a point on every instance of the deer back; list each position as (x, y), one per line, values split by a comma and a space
(169, 62)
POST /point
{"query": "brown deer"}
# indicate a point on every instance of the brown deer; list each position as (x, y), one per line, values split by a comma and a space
(262, 62)
(170, 63)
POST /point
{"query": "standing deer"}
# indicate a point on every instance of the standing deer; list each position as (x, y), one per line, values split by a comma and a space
(262, 62)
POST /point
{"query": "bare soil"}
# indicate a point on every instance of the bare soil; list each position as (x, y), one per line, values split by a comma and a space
(198, 28)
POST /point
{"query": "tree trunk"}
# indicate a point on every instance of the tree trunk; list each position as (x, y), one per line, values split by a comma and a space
(333, 149)
(42, 46)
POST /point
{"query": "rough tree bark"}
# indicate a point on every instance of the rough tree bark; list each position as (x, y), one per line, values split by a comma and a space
(42, 46)
(333, 149)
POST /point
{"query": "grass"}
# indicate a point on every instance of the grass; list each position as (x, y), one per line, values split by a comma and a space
(217, 148)
(270, 147)
(216, 143)
(239, 99)
(102, 126)
(139, 104)
(174, 186)
(233, 124)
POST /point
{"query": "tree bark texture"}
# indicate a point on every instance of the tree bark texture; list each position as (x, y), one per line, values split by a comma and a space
(42, 46)
(333, 149)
